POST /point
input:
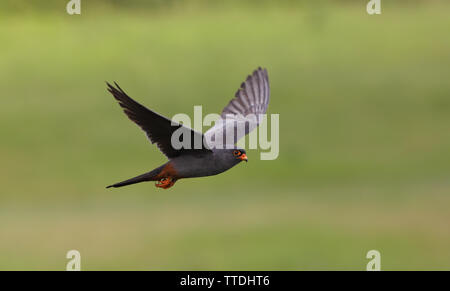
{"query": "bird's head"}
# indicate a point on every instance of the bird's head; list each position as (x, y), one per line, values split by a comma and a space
(228, 157)
(231, 156)
(239, 154)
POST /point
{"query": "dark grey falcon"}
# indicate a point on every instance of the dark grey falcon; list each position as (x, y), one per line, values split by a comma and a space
(211, 157)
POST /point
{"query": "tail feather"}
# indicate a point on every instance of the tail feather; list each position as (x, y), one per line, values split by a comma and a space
(141, 178)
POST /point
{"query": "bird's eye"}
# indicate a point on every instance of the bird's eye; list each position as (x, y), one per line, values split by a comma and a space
(236, 153)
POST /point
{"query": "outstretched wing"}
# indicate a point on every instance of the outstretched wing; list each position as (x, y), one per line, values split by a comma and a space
(158, 128)
(243, 112)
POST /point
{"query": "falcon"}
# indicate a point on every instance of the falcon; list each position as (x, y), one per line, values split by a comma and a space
(209, 156)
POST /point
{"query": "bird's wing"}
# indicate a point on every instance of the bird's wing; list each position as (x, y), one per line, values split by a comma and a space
(158, 128)
(243, 112)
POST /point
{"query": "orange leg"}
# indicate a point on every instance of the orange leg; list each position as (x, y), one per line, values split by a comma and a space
(165, 183)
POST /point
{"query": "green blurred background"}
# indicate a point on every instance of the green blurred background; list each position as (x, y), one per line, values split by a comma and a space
(364, 104)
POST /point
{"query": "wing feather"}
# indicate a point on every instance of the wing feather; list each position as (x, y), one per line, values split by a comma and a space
(250, 101)
(158, 128)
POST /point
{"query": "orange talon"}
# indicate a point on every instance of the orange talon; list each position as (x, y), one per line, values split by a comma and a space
(165, 183)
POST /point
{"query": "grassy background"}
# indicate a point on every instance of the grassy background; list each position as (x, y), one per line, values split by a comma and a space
(364, 152)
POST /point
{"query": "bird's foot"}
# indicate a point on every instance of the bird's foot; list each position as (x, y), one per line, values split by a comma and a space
(165, 183)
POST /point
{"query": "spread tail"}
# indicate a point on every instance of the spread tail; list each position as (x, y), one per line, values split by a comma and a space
(141, 178)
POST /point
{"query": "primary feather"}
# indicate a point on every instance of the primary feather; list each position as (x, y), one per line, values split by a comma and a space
(243, 111)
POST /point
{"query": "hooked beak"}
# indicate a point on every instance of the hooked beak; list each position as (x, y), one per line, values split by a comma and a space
(243, 157)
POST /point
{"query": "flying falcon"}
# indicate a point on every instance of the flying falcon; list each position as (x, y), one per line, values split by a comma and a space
(209, 156)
